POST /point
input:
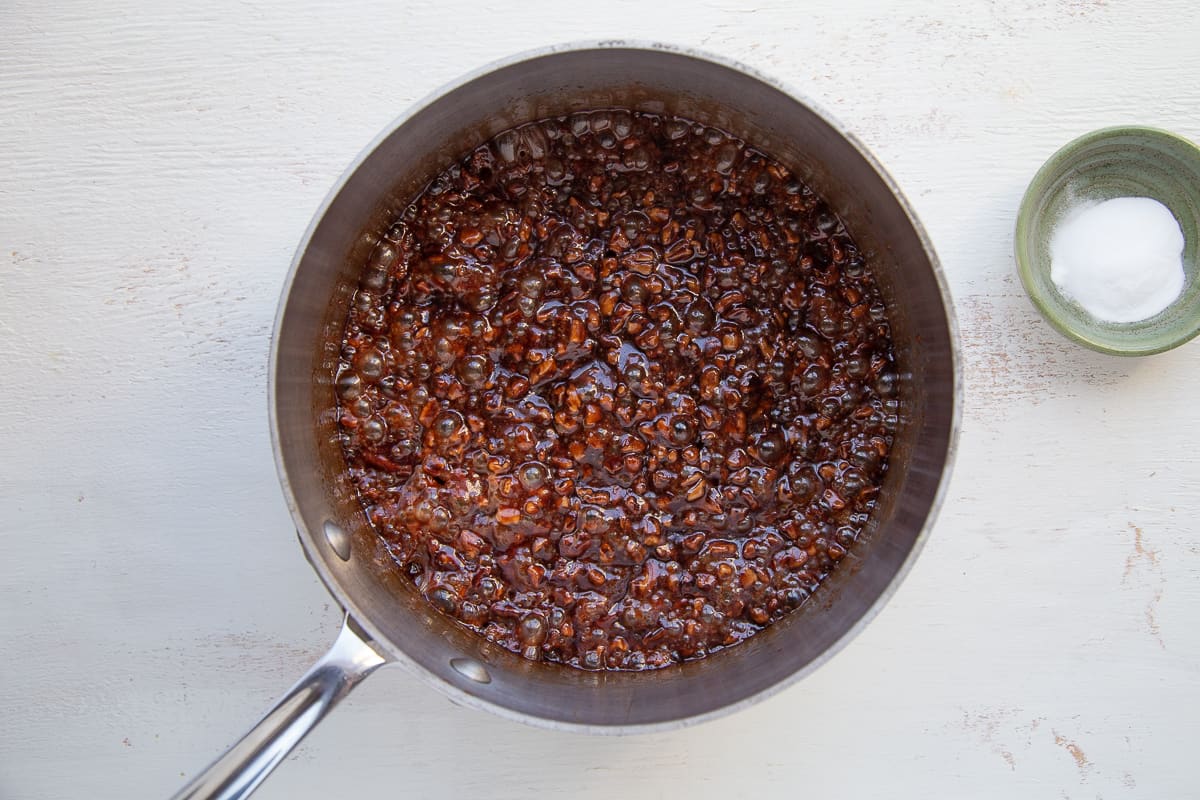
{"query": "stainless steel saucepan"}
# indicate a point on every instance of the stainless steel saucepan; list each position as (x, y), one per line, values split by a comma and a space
(386, 620)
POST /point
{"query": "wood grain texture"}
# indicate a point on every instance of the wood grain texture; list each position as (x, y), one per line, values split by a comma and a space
(158, 164)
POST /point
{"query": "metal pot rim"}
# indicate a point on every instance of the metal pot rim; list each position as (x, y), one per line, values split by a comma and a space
(453, 692)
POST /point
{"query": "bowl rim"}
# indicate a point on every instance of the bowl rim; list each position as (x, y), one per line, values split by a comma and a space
(1024, 220)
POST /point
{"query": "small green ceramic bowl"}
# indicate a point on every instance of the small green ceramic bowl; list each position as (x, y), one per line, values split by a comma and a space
(1101, 165)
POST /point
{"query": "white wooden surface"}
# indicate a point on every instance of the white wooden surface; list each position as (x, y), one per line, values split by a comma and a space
(158, 165)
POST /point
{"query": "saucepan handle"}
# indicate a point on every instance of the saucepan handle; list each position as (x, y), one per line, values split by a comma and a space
(244, 766)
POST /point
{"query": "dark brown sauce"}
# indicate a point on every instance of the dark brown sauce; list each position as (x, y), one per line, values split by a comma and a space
(617, 390)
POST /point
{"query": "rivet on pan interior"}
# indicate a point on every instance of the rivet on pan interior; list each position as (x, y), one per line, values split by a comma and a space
(472, 669)
(338, 539)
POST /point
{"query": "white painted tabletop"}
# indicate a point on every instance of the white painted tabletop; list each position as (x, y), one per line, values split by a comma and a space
(158, 166)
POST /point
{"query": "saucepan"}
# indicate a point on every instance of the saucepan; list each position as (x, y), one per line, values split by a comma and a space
(386, 620)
